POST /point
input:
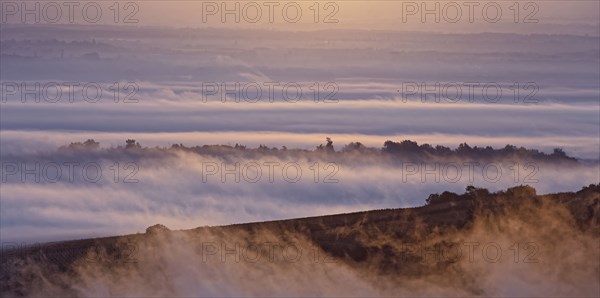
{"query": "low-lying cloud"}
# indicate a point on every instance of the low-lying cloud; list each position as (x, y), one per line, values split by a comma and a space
(71, 194)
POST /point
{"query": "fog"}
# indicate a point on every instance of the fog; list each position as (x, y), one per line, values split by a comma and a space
(79, 193)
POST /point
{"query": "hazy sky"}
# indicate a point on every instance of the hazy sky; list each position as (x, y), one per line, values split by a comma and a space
(452, 16)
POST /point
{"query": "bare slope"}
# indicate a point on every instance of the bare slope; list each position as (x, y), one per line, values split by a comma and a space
(512, 242)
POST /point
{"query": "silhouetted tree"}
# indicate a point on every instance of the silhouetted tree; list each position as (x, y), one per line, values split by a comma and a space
(559, 152)
(89, 144)
(433, 198)
(464, 149)
(328, 147)
(354, 146)
(132, 144)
